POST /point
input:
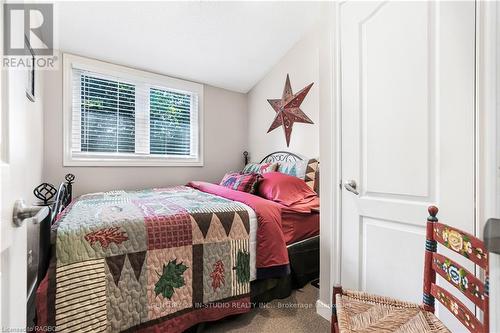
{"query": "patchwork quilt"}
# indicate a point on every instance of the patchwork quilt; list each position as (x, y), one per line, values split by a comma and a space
(156, 260)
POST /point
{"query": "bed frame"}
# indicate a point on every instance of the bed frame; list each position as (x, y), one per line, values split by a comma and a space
(63, 196)
(39, 235)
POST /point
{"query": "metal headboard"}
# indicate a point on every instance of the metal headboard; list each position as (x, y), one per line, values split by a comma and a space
(281, 156)
(284, 156)
(46, 193)
(277, 156)
(64, 196)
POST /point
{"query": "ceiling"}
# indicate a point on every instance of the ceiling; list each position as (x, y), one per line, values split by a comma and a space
(230, 45)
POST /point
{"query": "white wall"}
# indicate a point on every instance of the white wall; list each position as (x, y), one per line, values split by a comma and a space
(310, 60)
(225, 131)
(302, 64)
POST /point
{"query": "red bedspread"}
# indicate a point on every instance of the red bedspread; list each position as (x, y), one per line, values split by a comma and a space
(299, 226)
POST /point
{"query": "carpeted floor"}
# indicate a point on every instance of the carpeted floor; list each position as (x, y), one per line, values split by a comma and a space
(296, 313)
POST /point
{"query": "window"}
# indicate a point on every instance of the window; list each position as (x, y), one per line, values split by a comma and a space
(120, 116)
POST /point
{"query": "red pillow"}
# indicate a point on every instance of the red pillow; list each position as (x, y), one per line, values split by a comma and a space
(245, 182)
(285, 189)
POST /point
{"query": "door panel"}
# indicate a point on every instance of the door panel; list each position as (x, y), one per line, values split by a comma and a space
(407, 99)
(393, 46)
(375, 256)
(21, 156)
(14, 186)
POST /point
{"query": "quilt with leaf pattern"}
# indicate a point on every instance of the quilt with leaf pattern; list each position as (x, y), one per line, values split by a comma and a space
(159, 260)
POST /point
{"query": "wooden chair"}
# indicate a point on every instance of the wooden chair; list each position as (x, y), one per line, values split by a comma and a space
(361, 312)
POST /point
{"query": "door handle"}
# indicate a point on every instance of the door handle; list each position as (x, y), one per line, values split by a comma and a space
(351, 186)
(22, 212)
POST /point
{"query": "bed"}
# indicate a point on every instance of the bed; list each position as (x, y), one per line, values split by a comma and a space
(164, 260)
(302, 247)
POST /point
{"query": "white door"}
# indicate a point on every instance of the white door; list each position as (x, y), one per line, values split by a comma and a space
(21, 152)
(407, 90)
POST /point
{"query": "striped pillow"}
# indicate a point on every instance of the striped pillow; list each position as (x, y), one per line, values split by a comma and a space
(305, 169)
(245, 182)
(260, 167)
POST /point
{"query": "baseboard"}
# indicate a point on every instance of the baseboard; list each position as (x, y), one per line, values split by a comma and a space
(323, 310)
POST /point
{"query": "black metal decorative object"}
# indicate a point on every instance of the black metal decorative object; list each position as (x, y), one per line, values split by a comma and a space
(45, 192)
(64, 195)
(281, 156)
(245, 157)
(70, 178)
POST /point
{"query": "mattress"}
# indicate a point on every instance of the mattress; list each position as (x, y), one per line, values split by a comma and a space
(298, 226)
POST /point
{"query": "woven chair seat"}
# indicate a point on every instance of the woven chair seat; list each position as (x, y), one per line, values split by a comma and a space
(361, 312)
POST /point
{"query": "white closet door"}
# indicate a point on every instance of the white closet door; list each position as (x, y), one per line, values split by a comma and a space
(407, 136)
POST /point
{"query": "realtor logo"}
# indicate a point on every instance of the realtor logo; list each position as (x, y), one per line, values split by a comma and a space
(28, 26)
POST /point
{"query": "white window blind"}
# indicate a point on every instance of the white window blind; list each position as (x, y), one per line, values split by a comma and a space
(124, 119)
(104, 114)
(170, 122)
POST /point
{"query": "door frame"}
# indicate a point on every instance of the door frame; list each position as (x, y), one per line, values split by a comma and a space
(487, 197)
(337, 227)
(487, 117)
(487, 126)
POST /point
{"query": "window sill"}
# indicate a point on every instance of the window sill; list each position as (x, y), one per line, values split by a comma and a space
(132, 162)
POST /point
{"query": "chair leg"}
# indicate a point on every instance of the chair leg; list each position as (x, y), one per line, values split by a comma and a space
(337, 289)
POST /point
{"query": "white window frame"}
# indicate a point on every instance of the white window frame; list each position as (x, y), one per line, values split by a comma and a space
(71, 61)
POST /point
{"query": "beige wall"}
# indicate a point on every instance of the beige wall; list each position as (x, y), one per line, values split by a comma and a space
(302, 64)
(310, 60)
(225, 117)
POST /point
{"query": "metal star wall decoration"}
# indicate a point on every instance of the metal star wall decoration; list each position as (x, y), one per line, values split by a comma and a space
(288, 109)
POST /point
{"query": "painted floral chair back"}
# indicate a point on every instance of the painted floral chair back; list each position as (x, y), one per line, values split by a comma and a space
(474, 289)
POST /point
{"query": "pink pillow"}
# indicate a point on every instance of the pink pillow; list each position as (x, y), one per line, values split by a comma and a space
(285, 189)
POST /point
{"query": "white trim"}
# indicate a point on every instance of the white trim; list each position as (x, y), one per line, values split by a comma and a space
(324, 310)
(71, 61)
(337, 226)
(486, 114)
(487, 135)
(108, 161)
(328, 221)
